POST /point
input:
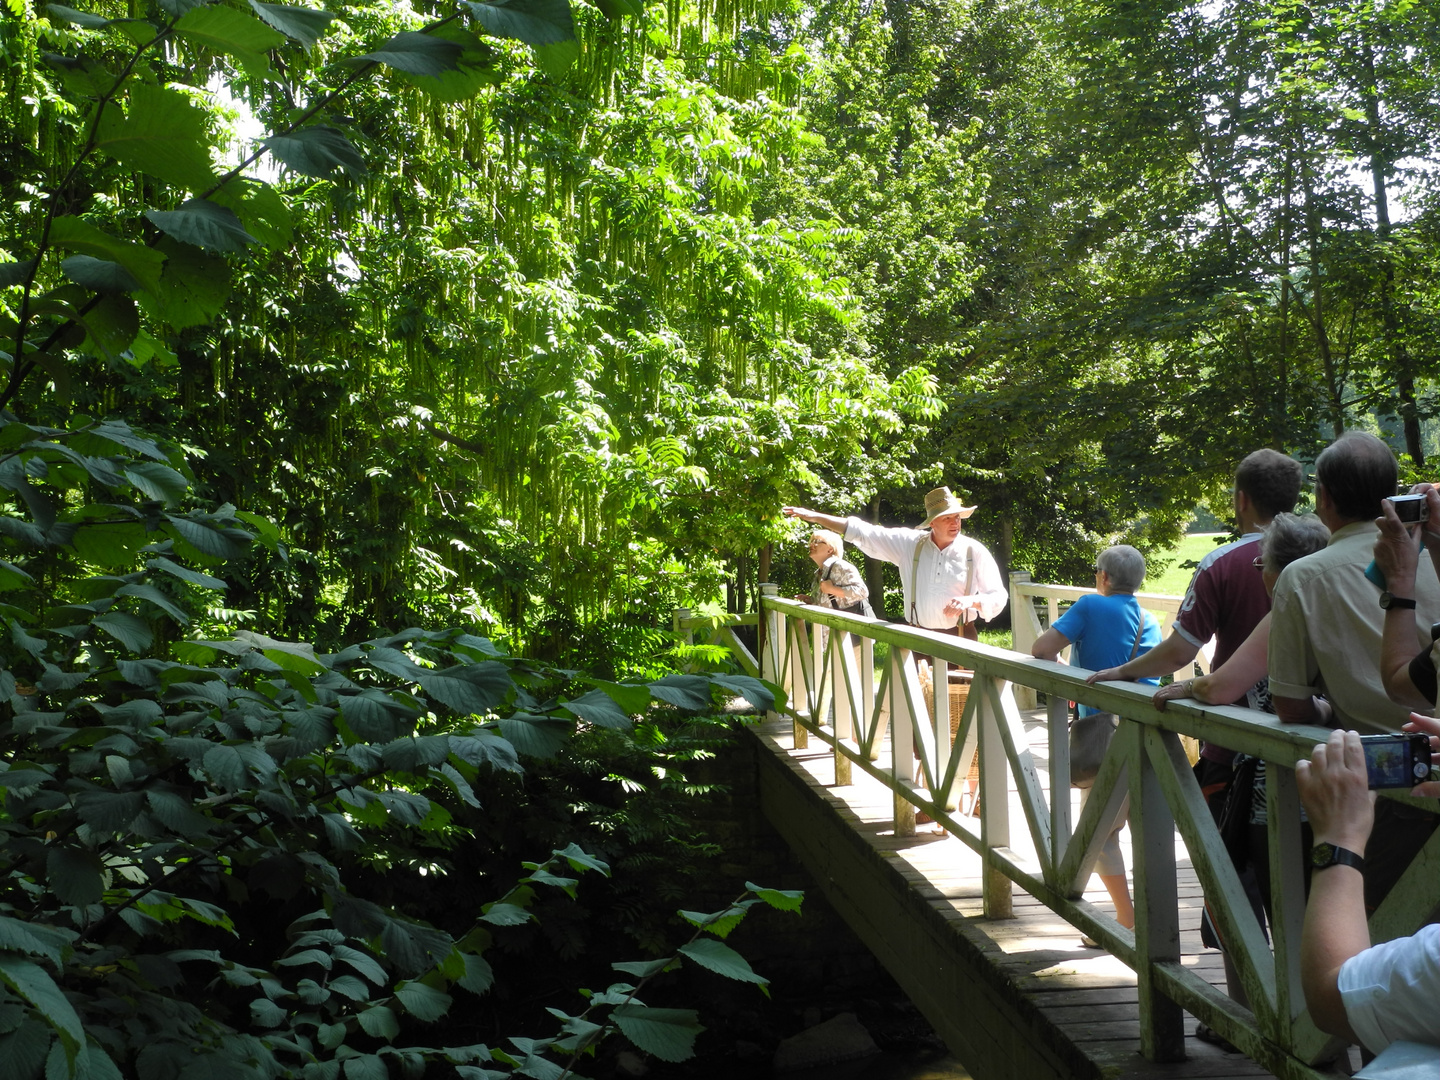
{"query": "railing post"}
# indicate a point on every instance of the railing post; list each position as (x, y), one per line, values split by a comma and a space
(902, 741)
(686, 635)
(1023, 629)
(773, 630)
(842, 667)
(1157, 917)
(1058, 723)
(994, 801)
(802, 680)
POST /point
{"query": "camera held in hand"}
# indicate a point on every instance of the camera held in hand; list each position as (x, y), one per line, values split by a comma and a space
(1396, 761)
(1411, 509)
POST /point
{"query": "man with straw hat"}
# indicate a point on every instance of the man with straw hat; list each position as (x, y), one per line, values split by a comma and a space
(949, 580)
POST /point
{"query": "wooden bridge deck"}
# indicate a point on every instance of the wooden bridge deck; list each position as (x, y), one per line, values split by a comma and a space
(1072, 1011)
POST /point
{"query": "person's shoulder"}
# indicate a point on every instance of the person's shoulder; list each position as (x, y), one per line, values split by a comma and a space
(1241, 550)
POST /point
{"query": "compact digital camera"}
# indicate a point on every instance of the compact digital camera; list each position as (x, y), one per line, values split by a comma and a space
(1411, 508)
(1396, 761)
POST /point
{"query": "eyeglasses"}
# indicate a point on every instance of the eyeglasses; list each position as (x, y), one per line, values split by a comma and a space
(1258, 562)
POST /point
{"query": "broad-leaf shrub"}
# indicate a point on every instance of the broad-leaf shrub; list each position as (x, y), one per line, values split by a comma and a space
(183, 814)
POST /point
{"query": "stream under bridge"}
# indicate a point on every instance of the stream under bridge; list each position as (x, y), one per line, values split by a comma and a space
(978, 914)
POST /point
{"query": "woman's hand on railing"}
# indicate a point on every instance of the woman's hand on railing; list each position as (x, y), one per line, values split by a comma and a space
(1182, 688)
(1109, 674)
(1431, 726)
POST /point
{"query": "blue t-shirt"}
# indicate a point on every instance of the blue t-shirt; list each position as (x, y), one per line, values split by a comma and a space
(1101, 630)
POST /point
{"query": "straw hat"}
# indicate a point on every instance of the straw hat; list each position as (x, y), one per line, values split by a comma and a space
(940, 502)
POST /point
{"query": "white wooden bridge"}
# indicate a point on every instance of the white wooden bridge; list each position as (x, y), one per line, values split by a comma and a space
(981, 923)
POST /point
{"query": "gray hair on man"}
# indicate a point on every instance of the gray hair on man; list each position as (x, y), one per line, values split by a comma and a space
(1124, 565)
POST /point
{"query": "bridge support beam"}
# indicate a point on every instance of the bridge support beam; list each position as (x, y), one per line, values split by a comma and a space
(940, 961)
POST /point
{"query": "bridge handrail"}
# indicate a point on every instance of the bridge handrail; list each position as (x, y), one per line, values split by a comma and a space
(837, 693)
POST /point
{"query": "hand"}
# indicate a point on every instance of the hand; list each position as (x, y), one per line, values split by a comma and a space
(1109, 674)
(1430, 530)
(1431, 726)
(1335, 791)
(804, 598)
(1396, 551)
(957, 605)
(829, 588)
(1171, 692)
(796, 512)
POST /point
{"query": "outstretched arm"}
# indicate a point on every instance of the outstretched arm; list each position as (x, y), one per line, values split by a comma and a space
(814, 517)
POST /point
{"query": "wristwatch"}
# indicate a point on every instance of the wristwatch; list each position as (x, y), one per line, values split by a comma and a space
(1323, 856)
(1387, 601)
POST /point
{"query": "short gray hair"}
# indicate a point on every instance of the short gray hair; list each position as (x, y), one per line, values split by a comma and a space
(825, 536)
(1124, 565)
(1292, 536)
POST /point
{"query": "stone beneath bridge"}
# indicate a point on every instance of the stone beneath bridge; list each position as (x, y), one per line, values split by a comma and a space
(1014, 998)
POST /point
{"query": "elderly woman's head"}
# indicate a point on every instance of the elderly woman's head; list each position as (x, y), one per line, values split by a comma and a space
(1289, 537)
(1123, 567)
(823, 544)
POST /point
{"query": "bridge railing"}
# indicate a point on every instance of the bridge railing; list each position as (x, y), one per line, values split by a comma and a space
(874, 716)
(1027, 597)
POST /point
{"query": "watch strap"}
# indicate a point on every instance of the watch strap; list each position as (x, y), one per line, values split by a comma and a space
(1323, 856)
(1387, 601)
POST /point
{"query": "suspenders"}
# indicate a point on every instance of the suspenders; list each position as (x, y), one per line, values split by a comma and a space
(914, 619)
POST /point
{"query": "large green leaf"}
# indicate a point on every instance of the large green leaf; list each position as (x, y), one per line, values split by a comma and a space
(110, 325)
(109, 811)
(302, 24)
(100, 275)
(194, 577)
(379, 1021)
(599, 708)
(157, 481)
(32, 983)
(152, 595)
(538, 736)
(416, 53)
(228, 30)
(24, 1049)
(16, 273)
(12, 577)
(78, 18)
(75, 876)
(470, 689)
(669, 1034)
(163, 133)
(751, 689)
(194, 289)
(535, 22)
(421, 1001)
(204, 224)
(690, 692)
(476, 68)
(205, 538)
(721, 959)
(112, 545)
(317, 151)
(135, 634)
(558, 58)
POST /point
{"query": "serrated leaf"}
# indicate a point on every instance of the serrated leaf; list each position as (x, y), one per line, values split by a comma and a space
(784, 899)
(719, 923)
(379, 1021)
(535, 22)
(416, 53)
(266, 1014)
(581, 860)
(421, 1001)
(135, 634)
(471, 689)
(24, 1049)
(19, 936)
(99, 275)
(479, 976)
(226, 767)
(163, 133)
(503, 914)
(317, 151)
(227, 30)
(32, 983)
(76, 877)
(302, 24)
(721, 959)
(669, 1034)
(109, 811)
(204, 224)
(642, 969)
(362, 962)
(366, 1067)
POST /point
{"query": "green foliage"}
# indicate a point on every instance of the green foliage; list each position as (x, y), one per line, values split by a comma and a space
(167, 797)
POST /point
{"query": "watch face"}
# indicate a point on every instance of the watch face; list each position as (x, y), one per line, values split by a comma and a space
(1322, 854)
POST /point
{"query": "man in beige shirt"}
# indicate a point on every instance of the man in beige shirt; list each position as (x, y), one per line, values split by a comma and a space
(1327, 626)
